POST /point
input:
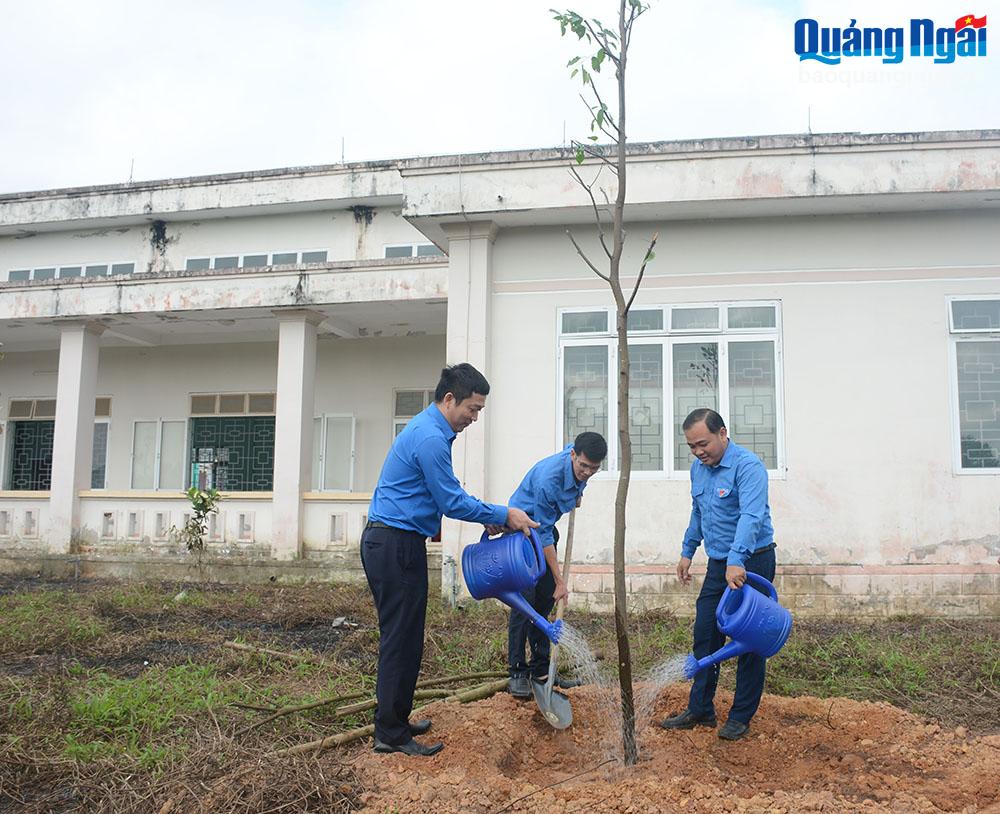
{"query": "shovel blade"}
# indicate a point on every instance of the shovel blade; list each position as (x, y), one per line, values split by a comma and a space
(554, 705)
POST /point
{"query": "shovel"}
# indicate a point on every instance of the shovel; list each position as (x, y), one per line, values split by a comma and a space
(554, 705)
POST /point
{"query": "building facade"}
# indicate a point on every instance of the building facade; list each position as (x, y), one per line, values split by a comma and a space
(836, 298)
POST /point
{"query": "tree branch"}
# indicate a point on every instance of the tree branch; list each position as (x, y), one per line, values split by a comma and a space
(642, 270)
(593, 203)
(586, 259)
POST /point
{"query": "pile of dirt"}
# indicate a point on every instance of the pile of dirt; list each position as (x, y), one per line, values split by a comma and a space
(802, 755)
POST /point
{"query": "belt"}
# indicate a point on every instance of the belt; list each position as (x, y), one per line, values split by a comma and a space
(378, 524)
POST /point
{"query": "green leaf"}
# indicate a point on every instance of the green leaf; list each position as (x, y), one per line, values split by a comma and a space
(572, 62)
(586, 76)
(592, 138)
(579, 155)
(575, 72)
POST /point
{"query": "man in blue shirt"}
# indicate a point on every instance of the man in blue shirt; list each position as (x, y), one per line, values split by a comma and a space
(417, 486)
(729, 511)
(552, 487)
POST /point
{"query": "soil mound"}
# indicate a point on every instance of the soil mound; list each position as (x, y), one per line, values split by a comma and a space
(802, 755)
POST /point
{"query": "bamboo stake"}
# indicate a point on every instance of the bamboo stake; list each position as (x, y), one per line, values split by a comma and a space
(475, 694)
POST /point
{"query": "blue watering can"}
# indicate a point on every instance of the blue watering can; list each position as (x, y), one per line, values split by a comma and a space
(755, 623)
(503, 567)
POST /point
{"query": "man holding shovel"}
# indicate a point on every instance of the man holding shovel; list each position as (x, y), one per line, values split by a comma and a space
(552, 487)
(730, 513)
(417, 486)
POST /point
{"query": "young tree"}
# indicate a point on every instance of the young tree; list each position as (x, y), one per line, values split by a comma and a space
(611, 46)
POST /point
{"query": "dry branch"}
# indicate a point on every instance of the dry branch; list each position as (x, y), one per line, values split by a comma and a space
(278, 654)
(475, 694)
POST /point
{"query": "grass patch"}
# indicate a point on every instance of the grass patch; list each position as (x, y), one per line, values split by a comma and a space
(37, 622)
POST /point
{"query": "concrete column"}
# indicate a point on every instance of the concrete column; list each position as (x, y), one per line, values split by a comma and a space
(293, 428)
(470, 288)
(73, 441)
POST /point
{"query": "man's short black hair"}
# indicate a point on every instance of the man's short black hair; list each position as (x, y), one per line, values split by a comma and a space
(461, 381)
(711, 418)
(591, 444)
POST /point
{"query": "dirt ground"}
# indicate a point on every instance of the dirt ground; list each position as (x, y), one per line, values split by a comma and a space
(803, 754)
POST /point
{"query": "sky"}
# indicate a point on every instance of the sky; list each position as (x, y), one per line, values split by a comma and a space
(105, 91)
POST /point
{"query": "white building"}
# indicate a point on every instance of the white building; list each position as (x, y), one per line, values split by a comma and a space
(836, 297)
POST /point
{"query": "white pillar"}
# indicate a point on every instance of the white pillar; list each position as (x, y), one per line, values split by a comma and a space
(470, 287)
(293, 428)
(73, 441)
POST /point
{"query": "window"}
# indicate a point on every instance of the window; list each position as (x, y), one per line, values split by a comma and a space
(70, 270)
(408, 403)
(719, 355)
(413, 250)
(975, 334)
(333, 453)
(32, 431)
(256, 260)
(158, 454)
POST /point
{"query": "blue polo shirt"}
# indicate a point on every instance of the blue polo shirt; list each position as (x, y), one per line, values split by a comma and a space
(729, 508)
(418, 482)
(548, 491)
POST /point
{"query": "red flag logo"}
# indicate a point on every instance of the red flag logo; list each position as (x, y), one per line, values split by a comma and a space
(970, 19)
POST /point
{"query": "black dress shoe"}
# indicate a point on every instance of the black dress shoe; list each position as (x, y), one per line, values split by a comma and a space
(411, 747)
(519, 687)
(733, 730)
(688, 720)
(420, 727)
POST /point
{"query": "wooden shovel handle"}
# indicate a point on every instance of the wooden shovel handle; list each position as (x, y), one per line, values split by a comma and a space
(566, 560)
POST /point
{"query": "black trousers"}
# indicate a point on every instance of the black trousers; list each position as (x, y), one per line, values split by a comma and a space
(708, 639)
(395, 564)
(521, 630)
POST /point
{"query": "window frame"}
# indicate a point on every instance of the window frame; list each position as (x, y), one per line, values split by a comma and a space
(320, 478)
(58, 267)
(397, 419)
(185, 475)
(956, 337)
(107, 454)
(668, 338)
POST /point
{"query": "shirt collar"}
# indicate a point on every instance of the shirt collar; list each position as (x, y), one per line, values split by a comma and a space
(569, 479)
(442, 422)
(728, 455)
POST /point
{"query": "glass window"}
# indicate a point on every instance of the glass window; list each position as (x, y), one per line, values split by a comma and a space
(975, 315)
(695, 384)
(172, 450)
(338, 453)
(99, 459)
(410, 402)
(978, 381)
(45, 274)
(122, 268)
(399, 251)
(144, 455)
(753, 393)
(19, 274)
(285, 258)
(314, 257)
(429, 250)
(197, 263)
(96, 271)
(585, 322)
(645, 402)
(70, 271)
(645, 320)
(251, 261)
(694, 319)
(585, 390)
(226, 263)
(745, 317)
(233, 454)
(31, 455)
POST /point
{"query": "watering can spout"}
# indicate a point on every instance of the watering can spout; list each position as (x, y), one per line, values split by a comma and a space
(551, 629)
(692, 666)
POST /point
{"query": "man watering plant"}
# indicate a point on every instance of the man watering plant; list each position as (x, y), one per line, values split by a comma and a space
(416, 487)
(730, 512)
(552, 487)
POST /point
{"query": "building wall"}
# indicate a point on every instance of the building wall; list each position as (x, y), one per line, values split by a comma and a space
(868, 422)
(342, 234)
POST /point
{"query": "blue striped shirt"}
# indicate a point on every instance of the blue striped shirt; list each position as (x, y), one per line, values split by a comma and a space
(548, 491)
(418, 482)
(729, 509)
